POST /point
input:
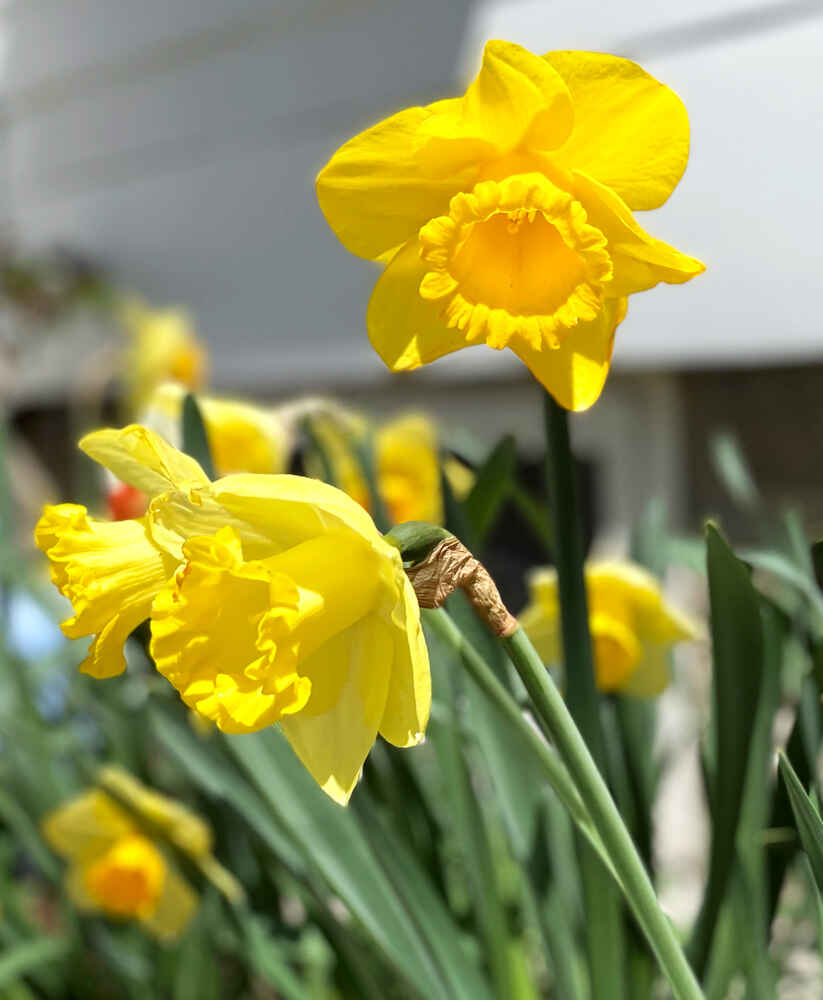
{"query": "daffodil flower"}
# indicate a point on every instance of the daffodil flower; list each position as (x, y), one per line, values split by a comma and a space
(505, 216)
(163, 345)
(271, 599)
(632, 627)
(116, 866)
(407, 464)
(242, 437)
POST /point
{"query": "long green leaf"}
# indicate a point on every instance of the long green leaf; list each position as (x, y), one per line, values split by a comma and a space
(195, 437)
(491, 488)
(329, 837)
(737, 646)
(806, 817)
(29, 956)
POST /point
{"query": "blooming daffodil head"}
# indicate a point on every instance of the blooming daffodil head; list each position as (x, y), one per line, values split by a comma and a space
(117, 866)
(505, 216)
(632, 626)
(271, 599)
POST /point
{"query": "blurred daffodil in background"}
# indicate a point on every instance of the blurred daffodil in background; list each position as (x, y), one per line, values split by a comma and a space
(162, 346)
(118, 840)
(271, 599)
(632, 626)
(505, 216)
(406, 458)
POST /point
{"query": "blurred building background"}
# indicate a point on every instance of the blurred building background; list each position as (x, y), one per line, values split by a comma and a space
(175, 144)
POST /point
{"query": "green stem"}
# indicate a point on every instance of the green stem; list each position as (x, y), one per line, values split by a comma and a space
(581, 692)
(550, 707)
(604, 919)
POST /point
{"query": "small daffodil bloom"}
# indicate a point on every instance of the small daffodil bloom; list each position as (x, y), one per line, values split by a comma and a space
(632, 626)
(116, 867)
(163, 346)
(407, 464)
(504, 217)
(242, 437)
(271, 599)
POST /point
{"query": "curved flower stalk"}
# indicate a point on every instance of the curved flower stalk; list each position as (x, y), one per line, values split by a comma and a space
(163, 346)
(632, 626)
(505, 216)
(116, 838)
(271, 599)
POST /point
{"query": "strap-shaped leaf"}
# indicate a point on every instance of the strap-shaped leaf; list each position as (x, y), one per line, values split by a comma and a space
(806, 818)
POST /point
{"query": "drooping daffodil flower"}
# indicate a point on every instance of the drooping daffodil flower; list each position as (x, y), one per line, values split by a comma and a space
(120, 839)
(270, 598)
(504, 217)
(632, 626)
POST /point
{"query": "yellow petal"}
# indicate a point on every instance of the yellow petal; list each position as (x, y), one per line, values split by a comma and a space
(517, 99)
(291, 509)
(630, 131)
(409, 698)
(616, 651)
(540, 619)
(334, 745)
(651, 677)
(174, 909)
(110, 571)
(406, 330)
(127, 879)
(143, 459)
(376, 192)
(408, 469)
(575, 371)
(87, 826)
(640, 261)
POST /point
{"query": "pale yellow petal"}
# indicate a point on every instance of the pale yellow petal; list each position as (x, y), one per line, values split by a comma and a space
(408, 469)
(291, 509)
(143, 459)
(86, 826)
(334, 745)
(630, 131)
(575, 371)
(376, 190)
(409, 698)
(640, 261)
(175, 908)
(652, 675)
(517, 99)
(406, 330)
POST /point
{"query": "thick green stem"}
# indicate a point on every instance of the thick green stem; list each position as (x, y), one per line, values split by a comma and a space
(581, 693)
(550, 707)
(605, 931)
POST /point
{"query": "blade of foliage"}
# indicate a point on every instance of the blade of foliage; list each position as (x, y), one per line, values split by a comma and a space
(29, 956)
(195, 437)
(733, 470)
(492, 486)
(266, 958)
(788, 572)
(331, 840)
(737, 648)
(806, 817)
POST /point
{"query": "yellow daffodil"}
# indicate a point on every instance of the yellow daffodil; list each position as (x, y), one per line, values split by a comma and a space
(632, 626)
(116, 866)
(407, 465)
(242, 437)
(271, 599)
(163, 346)
(505, 216)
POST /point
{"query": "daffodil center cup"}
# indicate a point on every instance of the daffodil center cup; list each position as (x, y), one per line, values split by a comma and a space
(515, 258)
(128, 879)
